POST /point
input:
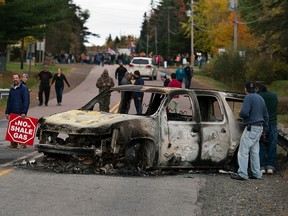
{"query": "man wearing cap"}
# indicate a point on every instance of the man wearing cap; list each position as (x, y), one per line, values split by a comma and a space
(255, 117)
(268, 147)
(165, 79)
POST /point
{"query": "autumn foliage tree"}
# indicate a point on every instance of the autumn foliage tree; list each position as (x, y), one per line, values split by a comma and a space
(225, 37)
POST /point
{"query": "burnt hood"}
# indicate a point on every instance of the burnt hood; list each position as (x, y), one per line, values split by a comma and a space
(83, 121)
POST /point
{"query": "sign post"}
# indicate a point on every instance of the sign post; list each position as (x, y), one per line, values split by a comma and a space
(21, 130)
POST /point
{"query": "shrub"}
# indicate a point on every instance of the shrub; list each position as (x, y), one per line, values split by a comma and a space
(259, 68)
(229, 69)
(280, 70)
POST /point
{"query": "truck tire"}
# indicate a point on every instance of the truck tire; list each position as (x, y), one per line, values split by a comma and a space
(140, 155)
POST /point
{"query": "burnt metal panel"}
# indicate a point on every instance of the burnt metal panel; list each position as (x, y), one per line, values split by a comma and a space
(66, 150)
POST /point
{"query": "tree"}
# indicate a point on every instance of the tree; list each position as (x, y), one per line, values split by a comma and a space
(21, 18)
(162, 29)
(269, 21)
(142, 42)
(60, 21)
(225, 38)
(116, 42)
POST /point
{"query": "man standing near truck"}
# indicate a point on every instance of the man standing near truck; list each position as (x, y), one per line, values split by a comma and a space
(268, 146)
(255, 117)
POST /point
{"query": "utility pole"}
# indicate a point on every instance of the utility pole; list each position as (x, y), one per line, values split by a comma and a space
(189, 13)
(147, 44)
(156, 48)
(168, 30)
(192, 35)
(235, 25)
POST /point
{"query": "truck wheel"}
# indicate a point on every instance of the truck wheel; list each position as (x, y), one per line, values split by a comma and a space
(146, 155)
(140, 155)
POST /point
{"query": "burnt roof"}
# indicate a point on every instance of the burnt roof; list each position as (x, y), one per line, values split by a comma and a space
(169, 90)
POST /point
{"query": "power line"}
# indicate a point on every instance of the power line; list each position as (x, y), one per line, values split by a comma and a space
(238, 22)
(249, 7)
(254, 21)
(214, 30)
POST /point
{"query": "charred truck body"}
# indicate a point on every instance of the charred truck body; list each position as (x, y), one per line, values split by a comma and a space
(179, 128)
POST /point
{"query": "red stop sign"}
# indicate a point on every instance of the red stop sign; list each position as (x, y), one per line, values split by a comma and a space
(21, 130)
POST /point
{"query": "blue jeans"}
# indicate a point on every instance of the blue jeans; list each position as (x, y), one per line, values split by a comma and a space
(119, 80)
(249, 145)
(268, 151)
(59, 92)
(138, 104)
(188, 83)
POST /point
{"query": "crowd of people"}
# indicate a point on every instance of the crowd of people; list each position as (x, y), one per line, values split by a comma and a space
(103, 58)
(97, 59)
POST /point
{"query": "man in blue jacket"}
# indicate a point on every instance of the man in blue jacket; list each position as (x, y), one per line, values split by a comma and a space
(255, 118)
(18, 102)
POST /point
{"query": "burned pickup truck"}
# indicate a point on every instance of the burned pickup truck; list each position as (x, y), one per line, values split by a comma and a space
(178, 128)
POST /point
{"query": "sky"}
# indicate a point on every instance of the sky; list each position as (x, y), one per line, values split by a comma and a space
(115, 17)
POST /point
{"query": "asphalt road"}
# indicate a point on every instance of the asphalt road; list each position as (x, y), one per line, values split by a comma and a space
(30, 192)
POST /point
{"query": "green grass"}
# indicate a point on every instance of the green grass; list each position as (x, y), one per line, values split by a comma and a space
(6, 77)
(283, 119)
(279, 87)
(211, 82)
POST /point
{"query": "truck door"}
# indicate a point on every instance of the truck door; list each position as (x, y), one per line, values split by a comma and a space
(183, 132)
(215, 128)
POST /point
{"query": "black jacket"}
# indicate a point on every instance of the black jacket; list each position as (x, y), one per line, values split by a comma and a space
(59, 80)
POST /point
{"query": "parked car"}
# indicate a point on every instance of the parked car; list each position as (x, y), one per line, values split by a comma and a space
(145, 66)
(201, 129)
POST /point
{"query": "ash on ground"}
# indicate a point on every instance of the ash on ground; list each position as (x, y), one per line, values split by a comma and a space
(86, 165)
